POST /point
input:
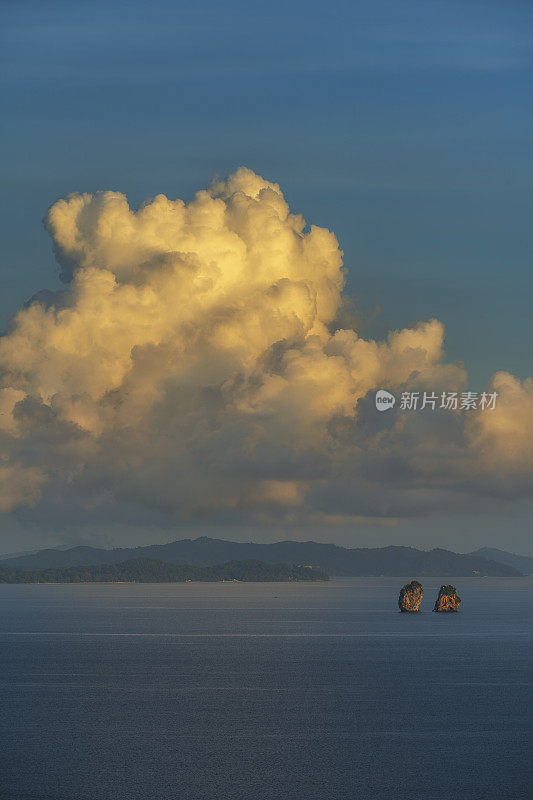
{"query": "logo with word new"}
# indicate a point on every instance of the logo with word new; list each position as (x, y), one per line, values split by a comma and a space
(384, 400)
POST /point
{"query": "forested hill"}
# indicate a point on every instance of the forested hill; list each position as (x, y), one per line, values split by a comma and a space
(335, 560)
(147, 570)
(523, 564)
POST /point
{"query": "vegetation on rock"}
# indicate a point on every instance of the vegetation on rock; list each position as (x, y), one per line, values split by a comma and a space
(410, 597)
(448, 600)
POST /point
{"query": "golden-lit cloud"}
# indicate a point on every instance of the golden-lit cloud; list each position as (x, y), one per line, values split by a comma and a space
(504, 437)
(193, 366)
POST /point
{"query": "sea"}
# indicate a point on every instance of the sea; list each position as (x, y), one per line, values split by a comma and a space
(265, 691)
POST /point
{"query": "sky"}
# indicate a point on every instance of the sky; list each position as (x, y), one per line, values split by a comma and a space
(404, 129)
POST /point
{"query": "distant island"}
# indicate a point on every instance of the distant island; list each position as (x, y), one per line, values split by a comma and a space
(395, 561)
(147, 570)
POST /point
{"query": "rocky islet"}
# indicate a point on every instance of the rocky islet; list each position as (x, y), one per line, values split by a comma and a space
(411, 595)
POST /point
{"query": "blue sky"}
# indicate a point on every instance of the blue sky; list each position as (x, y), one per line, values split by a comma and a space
(404, 127)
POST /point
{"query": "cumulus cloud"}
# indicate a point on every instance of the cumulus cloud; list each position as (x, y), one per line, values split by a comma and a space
(192, 367)
(504, 438)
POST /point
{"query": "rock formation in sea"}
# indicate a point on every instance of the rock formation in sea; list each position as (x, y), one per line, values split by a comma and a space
(410, 597)
(448, 600)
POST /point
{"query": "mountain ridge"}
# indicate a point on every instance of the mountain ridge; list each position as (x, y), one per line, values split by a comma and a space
(394, 560)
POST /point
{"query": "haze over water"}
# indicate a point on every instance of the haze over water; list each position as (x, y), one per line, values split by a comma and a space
(142, 692)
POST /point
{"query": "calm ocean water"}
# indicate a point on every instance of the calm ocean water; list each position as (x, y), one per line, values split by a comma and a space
(263, 691)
